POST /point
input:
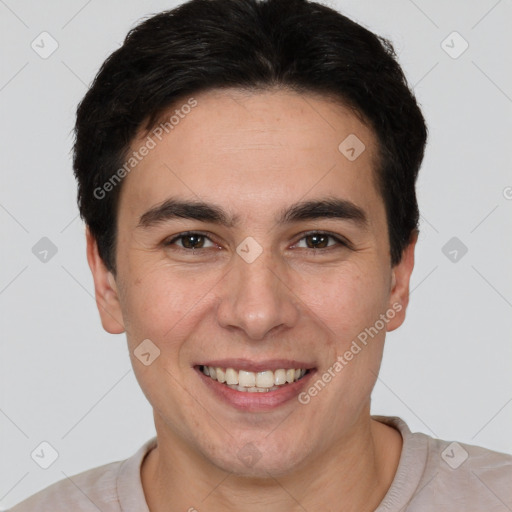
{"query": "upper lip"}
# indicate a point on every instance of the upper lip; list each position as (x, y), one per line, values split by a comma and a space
(257, 366)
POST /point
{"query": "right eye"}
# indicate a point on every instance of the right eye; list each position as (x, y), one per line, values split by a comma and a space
(190, 240)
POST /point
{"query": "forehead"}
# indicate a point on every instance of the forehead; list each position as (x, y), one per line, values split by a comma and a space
(255, 151)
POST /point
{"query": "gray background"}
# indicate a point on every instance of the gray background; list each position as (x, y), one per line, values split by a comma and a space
(447, 371)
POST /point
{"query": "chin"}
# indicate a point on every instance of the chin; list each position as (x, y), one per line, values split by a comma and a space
(252, 460)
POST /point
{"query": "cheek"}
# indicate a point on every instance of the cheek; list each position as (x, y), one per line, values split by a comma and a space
(347, 299)
(159, 301)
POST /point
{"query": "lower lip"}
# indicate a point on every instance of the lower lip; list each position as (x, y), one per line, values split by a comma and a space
(259, 400)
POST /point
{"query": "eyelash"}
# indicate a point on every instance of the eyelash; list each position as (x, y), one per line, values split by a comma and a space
(339, 241)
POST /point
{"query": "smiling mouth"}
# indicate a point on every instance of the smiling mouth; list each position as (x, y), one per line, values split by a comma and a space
(254, 382)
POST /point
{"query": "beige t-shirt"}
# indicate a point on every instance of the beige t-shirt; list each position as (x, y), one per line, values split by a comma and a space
(432, 475)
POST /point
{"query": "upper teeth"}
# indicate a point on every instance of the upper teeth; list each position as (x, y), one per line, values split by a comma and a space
(242, 378)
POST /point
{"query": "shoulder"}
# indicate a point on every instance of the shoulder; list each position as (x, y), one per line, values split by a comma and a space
(443, 475)
(470, 474)
(87, 491)
(112, 487)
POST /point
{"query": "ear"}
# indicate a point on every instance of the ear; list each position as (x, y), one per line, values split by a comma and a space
(105, 287)
(400, 278)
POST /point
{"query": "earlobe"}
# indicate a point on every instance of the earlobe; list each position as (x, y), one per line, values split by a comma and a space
(105, 288)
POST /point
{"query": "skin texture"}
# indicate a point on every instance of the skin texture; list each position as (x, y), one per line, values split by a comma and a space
(254, 154)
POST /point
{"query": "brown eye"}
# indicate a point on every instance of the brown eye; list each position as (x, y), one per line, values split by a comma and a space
(190, 241)
(318, 240)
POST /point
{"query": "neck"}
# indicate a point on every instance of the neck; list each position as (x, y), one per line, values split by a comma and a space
(356, 474)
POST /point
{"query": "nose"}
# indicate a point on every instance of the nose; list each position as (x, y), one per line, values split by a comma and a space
(257, 298)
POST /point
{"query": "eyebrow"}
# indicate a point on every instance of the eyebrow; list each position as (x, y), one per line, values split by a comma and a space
(332, 208)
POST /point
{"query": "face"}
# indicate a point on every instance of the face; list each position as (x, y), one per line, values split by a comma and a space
(283, 266)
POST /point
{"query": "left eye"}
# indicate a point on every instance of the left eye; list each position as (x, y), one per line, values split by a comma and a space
(320, 241)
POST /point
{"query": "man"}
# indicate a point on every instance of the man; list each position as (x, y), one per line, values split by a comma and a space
(246, 171)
